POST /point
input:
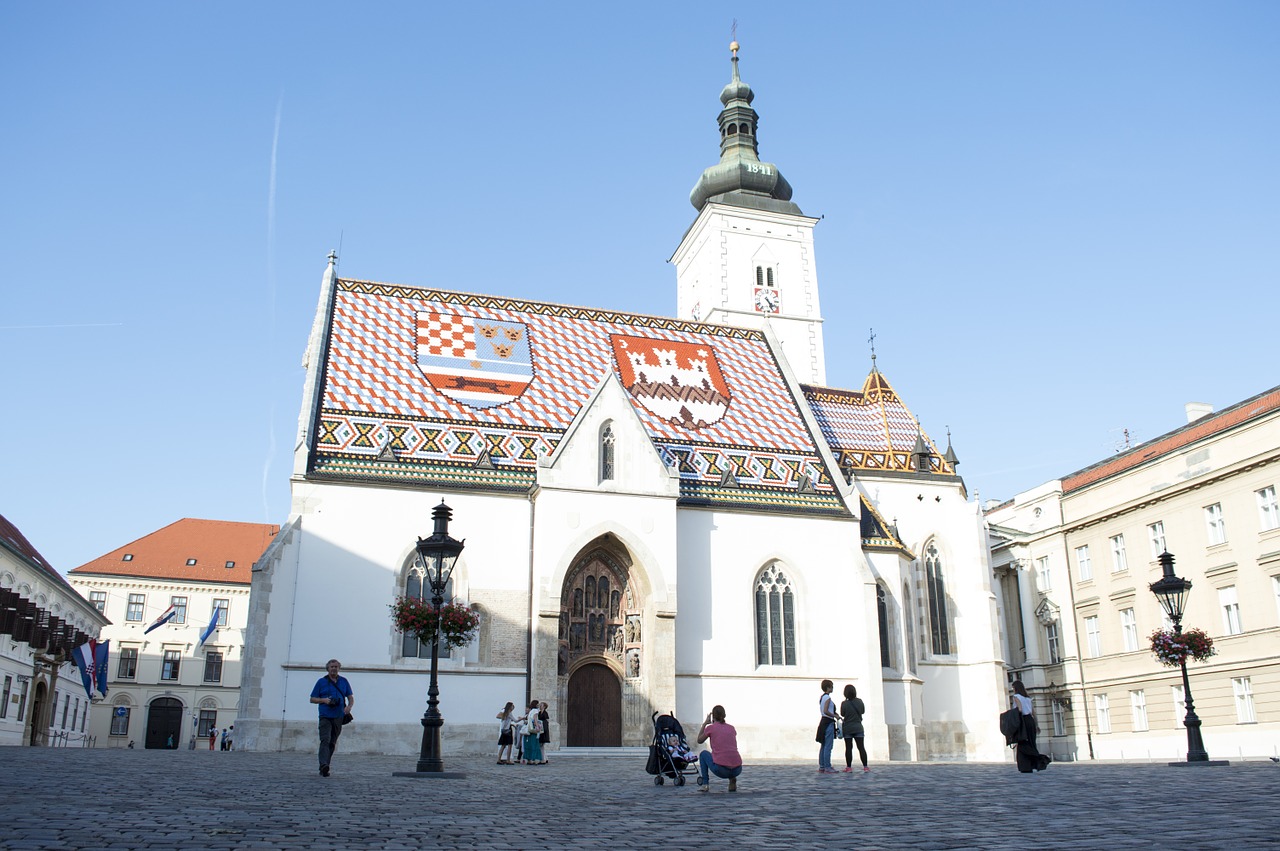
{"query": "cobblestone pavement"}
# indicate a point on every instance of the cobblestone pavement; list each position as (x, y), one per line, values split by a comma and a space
(70, 798)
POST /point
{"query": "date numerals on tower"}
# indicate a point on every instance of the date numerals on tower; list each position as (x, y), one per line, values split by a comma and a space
(756, 168)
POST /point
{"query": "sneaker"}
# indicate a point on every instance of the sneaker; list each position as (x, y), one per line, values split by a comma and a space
(847, 769)
(704, 787)
(733, 784)
(324, 770)
(866, 769)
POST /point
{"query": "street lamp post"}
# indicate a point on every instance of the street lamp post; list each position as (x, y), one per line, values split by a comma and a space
(1171, 591)
(439, 553)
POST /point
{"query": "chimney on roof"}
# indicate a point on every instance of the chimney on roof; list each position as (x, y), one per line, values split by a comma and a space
(1196, 410)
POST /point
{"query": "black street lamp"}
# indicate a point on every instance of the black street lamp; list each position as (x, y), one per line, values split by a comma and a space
(1171, 591)
(438, 553)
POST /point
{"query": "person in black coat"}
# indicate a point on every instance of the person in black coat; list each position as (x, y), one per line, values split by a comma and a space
(1028, 756)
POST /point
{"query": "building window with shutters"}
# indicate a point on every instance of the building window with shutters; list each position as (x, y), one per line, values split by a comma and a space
(179, 609)
(775, 618)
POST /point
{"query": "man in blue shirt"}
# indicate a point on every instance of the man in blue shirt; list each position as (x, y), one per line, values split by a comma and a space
(333, 694)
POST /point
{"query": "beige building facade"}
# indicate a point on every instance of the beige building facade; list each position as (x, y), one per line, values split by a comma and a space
(1074, 560)
(169, 686)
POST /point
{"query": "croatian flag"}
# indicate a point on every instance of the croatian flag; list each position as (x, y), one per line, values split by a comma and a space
(213, 625)
(165, 616)
(91, 659)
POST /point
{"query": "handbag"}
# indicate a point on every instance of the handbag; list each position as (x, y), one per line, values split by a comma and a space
(347, 719)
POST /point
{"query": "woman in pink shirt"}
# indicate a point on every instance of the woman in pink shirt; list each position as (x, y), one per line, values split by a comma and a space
(723, 759)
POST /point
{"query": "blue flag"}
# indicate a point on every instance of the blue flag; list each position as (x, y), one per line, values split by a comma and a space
(91, 659)
(213, 625)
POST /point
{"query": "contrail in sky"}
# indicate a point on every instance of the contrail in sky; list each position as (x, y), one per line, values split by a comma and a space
(271, 285)
(79, 325)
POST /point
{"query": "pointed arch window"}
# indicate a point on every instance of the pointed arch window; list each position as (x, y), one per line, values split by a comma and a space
(939, 615)
(909, 615)
(775, 618)
(606, 452)
(882, 618)
(416, 586)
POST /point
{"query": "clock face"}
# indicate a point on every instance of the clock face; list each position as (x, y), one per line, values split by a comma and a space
(767, 300)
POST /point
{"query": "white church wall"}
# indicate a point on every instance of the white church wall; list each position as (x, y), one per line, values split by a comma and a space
(332, 586)
(961, 692)
(774, 706)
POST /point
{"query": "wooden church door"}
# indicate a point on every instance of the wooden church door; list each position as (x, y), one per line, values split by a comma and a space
(595, 708)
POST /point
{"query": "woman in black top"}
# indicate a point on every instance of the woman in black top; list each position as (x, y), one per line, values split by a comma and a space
(851, 710)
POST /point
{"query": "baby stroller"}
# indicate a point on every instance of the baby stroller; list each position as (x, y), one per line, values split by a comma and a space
(669, 754)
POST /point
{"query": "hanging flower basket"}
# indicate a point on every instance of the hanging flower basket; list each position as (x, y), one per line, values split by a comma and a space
(1172, 649)
(418, 617)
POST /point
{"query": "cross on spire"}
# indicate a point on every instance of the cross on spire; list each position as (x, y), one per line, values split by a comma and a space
(872, 341)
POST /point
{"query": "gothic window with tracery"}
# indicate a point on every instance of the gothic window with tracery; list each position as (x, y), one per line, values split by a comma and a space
(606, 452)
(775, 618)
(939, 615)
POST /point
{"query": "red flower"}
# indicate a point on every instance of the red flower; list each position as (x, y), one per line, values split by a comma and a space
(418, 617)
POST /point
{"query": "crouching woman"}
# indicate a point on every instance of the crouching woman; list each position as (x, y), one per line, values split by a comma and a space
(723, 759)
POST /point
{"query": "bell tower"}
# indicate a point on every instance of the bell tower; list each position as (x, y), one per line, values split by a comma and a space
(747, 259)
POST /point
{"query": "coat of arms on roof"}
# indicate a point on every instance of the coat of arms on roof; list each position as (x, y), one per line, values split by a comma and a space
(679, 382)
(481, 363)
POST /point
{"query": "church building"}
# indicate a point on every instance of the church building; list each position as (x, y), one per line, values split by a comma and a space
(660, 514)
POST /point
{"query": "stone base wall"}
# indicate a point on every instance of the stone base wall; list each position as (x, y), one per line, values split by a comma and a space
(943, 740)
(900, 737)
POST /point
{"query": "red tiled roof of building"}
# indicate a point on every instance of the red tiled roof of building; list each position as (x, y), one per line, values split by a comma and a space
(167, 553)
(1256, 406)
(19, 544)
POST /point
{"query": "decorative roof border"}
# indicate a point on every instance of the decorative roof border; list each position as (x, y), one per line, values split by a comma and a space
(593, 314)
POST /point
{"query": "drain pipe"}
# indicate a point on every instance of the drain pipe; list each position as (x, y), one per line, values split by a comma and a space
(528, 647)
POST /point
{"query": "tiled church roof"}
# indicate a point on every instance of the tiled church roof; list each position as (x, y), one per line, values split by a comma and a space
(872, 429)
(211, 544)
(429, 386)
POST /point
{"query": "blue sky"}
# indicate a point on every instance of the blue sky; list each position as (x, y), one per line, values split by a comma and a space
(1060, 219)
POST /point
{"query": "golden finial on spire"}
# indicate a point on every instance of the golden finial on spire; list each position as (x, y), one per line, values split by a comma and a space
(733, 45)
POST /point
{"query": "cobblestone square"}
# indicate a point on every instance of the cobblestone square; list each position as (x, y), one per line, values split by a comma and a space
(82, 799)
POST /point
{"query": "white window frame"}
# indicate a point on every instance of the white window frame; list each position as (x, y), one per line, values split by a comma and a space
(1059, 719)
(1102, 712)
(1138, 703)
(1054, 640)
(1155, 531)
(1083, 564)
(99, 600)
(136, 608)
(1268, 509)
(1046, 577)
(1119, 558)
(1215, 524)
(1179, 706)
(1093, 633)
(1242, 688)
(1129, 629)
(1229, 600)
(1275, 586)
